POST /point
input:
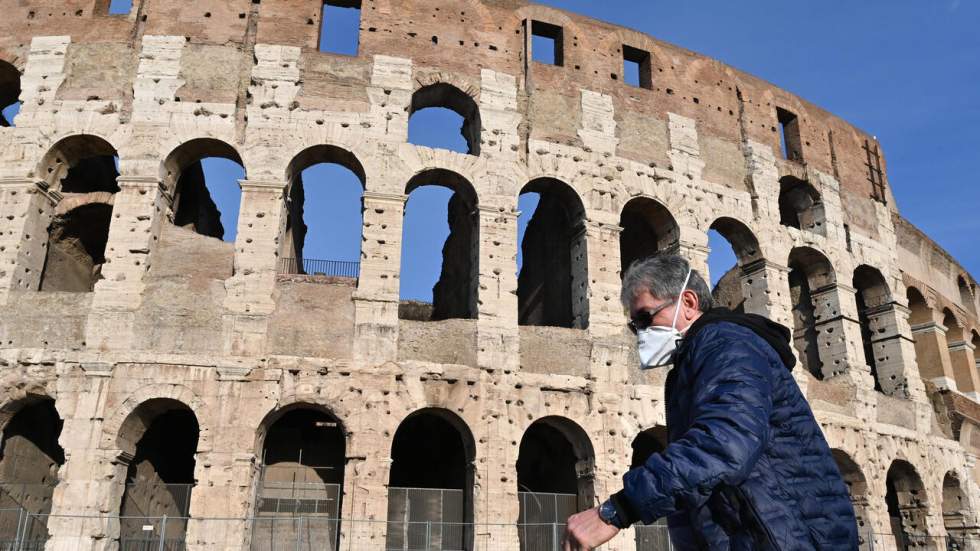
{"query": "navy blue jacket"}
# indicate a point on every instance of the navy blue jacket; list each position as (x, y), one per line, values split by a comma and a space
(746, 467)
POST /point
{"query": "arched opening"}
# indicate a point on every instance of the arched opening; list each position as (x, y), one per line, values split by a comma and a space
(905, 499)
(733, 247)
(301, 482)
(555, 479)
(434, 288)
(9, 93)
(648, 228)
(162, 436)
(800, 205)
(967, 293)
(871, 294)
(552, 278)
(430, 485)
(857, 488)
(930, 344)
(324, 214)
(29, 460)
(955, 512)
(652, 537)
(83, 170)
(809, 272)
(202, 175)
(444, 117)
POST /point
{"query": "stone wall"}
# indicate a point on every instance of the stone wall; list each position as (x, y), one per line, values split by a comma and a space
(177, 317)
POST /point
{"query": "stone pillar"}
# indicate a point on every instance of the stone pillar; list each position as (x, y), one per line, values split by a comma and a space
(964, 365)
(498, 341)
(249, 300)
(376, 298)
(932, 354)
(365, 506)
(92, 480)
(27, 212)
(602, 286)
(894, 351)
(765, 289)
(685, 151)
(839, 335)
(497, 509)
(221, 501)
(134, 233)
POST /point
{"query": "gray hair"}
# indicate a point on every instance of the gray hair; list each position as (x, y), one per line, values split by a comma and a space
(662, 276)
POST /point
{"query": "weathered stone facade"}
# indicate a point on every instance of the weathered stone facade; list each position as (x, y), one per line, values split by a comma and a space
(175, 321)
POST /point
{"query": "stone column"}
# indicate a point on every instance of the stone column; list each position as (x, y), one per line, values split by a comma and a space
(28, 209)
(365, 506)
(964, 364)
(221, 501)
(249, 300)
(498, 340)
(932, 354)
(894, 351)
(602, 284)
(92, 480)
(376, 298)
(697, 257)
(839, 335)
(134, 233)
(765, 289)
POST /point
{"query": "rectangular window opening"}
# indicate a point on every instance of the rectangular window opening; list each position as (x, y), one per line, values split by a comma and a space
(789, 135)
(340, 27)
(636, 68)
(547, 44)
(120, 7)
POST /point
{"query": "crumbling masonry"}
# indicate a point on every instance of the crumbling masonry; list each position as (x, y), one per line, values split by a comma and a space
(148, 368)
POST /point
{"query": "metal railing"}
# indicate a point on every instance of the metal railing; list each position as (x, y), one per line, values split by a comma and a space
(319, 267)
(309, 533)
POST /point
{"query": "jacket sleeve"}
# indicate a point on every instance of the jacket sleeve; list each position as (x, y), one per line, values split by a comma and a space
(732, 401)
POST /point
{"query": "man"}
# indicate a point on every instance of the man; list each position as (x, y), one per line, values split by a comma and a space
(746, 467)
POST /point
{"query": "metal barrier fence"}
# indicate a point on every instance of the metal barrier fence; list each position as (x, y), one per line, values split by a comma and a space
(317, 533)
(314, 266)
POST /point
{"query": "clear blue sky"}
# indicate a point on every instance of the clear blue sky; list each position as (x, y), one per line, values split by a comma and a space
(907, 71)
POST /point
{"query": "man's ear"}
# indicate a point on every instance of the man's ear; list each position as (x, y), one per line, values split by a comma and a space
(691, 302)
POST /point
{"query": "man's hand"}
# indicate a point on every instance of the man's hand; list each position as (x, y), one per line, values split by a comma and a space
(586, 531)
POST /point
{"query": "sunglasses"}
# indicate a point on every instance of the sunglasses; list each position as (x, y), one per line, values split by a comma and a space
(644, 318)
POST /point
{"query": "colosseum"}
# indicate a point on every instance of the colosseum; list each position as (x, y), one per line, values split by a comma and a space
(161, 388)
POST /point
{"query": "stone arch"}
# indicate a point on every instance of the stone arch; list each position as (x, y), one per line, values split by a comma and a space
(9, 89)
(118, 430)
(733, 286)
(442, 94)
(80, 163)
(303, 451)
(810, 272)
(454, 295)
(431, 480)
(907, 505)
(555, 478)
(955, 510)
(552, 286)
(857, 488)
(800, 205)
(30, 457)
(954, 328)
(159, 440)
(648, 228)
(871, 296)
(919, 309)
(182, 175)
(296, 230)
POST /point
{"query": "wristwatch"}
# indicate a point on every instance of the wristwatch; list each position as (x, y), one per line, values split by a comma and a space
(607, 512)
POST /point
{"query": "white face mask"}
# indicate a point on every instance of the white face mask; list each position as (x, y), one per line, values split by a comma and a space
(656, 344)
